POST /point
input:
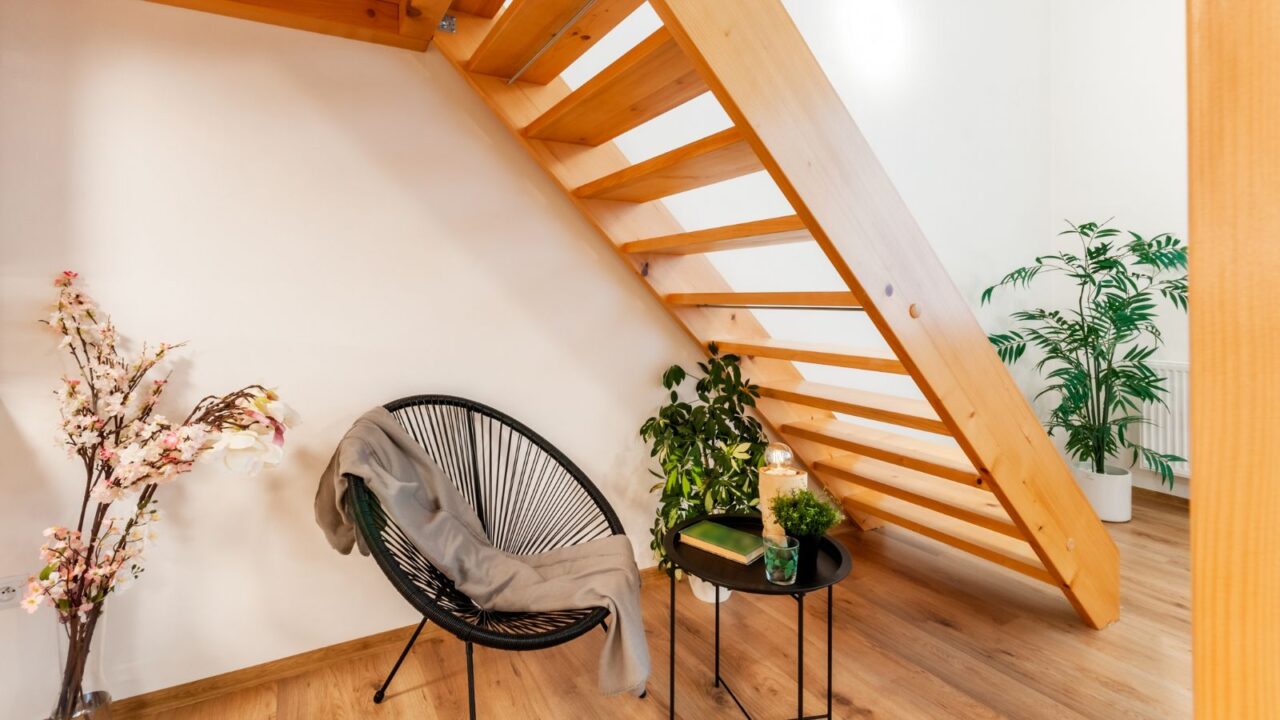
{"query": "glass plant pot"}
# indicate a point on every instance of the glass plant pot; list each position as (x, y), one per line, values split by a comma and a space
(781, 558)
(92, 701)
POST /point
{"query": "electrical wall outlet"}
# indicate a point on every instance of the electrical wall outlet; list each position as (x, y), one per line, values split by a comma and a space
(11, 589)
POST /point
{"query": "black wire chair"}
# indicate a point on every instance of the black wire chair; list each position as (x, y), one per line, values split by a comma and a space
(529, 497)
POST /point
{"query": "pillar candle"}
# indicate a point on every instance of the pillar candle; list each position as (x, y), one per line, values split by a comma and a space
(775, 480)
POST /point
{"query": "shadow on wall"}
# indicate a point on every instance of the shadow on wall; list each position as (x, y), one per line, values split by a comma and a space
(26, 490)
(38, 223)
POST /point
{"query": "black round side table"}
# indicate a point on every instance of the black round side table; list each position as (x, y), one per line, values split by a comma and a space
(834, 564)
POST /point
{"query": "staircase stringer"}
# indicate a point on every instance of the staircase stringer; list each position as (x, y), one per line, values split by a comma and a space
(570, 166)
(756, 63)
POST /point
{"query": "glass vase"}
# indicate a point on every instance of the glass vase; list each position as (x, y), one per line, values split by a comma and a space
(82, 687)
(781, 556)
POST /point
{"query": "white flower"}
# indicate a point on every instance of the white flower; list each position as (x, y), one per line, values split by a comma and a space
(191, 439)
(112, 405)
(132, 454)
(31, 603)
(247, 452)
(86, 438)
(280, 412)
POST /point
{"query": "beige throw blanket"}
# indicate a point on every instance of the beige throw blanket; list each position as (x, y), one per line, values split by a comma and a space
(420, 499)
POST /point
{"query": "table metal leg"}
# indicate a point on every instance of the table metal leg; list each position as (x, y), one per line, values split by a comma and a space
(800, 654)
(829, 603)
(719, 682)
(671, 696)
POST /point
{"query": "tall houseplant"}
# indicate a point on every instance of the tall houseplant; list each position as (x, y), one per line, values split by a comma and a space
(1096, 352)
(127, 451)
(708, 448)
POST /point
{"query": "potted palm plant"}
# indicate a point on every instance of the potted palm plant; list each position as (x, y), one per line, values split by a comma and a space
(708, 449)
(1096, 352)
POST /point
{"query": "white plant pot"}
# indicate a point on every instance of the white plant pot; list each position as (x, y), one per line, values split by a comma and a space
(705, 591)
(1110, 493)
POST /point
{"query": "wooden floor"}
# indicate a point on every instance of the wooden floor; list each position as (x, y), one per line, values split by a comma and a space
(921, 631)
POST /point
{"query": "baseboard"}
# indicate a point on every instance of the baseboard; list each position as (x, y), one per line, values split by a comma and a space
(196, 691)
(1147, 480)
(1162, 496)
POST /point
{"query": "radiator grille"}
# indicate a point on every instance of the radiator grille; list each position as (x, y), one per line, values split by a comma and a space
(1168, 429)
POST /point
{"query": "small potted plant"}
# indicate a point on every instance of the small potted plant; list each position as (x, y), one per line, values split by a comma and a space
(805, 517)
(1095, 352)
(708, 448)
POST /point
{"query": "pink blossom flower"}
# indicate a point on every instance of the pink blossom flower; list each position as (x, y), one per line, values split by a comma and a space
(108, 421)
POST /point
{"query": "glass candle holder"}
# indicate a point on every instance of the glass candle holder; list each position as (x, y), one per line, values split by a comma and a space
(781, 556)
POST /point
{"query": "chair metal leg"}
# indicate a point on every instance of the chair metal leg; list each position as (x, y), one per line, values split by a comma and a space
(471, 684)
(382, 691)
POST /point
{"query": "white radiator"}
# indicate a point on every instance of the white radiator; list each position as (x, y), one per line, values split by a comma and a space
(1168, 430)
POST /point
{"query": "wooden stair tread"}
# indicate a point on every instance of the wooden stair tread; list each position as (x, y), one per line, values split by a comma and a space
(961, 502)
(718, 157)
(650, 79)
(1001, 549)
(816, 353)
(907, 412)
(819, 299)
(526, 27)
(932, 458)
(757, 233)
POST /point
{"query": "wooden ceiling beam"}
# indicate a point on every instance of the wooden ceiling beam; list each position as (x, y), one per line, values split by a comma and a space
(408, 24)
(479, 8)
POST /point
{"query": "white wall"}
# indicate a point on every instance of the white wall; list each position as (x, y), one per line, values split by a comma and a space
(343, 220)
(1120, 122)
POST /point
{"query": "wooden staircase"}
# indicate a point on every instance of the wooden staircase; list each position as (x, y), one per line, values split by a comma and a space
(991, 483)
(1000, 491)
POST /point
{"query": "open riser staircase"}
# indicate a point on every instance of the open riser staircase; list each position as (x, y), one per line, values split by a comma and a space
(1000, 491)
(966, 462)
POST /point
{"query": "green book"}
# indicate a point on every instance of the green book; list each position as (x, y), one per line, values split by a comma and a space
(736, 545)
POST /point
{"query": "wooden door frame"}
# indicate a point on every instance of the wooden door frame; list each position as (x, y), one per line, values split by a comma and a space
(1234, 135)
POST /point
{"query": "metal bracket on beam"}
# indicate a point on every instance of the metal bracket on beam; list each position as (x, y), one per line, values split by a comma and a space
(827, 308)
(449, 24)
(551, 40)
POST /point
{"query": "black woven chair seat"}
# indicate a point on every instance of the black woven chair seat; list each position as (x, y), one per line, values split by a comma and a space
(529, 497)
